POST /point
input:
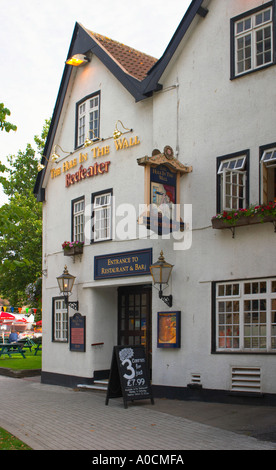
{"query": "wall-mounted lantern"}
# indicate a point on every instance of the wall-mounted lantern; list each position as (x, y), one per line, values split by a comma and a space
(65, 283)
(117, 134)
(77, 60)
(161, 272)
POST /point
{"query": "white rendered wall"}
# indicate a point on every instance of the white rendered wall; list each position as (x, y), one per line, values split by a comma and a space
(217, 117)
(202, 114)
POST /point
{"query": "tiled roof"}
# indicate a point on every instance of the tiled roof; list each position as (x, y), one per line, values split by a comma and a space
(130, 60)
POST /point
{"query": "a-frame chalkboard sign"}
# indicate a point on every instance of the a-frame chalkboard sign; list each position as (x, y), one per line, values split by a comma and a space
(129, 375)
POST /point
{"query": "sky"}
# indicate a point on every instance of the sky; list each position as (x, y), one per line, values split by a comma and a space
(35, 36)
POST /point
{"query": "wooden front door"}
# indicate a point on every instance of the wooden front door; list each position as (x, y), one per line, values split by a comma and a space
(134, 317)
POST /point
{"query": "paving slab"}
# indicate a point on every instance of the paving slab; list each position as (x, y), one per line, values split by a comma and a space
(49, 417)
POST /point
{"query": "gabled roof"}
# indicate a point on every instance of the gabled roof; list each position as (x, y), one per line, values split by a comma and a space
(133, 62)
(137, 72)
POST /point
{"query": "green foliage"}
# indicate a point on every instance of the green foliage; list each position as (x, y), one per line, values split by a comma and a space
(20, 225)
(34, 296)
(4, 124)
(20, 173)
(20, 246)
(40, 140)
(261, 211)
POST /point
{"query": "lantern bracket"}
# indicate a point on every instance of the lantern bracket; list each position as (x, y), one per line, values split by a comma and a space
(73, 304)
(166, 298)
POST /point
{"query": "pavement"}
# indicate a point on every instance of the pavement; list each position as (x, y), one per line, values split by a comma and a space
(49, 417)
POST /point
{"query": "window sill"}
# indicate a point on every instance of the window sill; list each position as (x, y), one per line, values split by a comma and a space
(101, 241)
(221, 224)
(249, 72)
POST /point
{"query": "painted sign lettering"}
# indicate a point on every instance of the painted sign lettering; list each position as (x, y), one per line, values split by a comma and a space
(83, 173)
(132, 263)
(97, 152)
(129, 376)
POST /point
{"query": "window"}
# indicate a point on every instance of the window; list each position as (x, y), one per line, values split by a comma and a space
(102, 216)
(268, 174)
(88, 114)
(246, 316)
(252, 41)
(232, 181)
(78, 220)
(60, 320)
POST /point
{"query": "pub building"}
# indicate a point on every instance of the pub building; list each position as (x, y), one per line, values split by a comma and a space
(158, 191)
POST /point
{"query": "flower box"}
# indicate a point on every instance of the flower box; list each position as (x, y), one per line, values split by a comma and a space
(242, 217)
(243, 220)
(72, 248)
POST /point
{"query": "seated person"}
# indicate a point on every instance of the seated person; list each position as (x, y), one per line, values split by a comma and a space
(13, 337)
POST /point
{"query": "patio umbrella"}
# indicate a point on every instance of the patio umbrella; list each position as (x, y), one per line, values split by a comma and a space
(6, 316)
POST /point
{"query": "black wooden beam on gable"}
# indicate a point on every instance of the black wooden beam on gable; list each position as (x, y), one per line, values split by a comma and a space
(150, 83)
(83, 42)
(130, 83)
(202, 12)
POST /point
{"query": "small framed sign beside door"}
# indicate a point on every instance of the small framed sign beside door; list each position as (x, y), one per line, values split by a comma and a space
(168, 329)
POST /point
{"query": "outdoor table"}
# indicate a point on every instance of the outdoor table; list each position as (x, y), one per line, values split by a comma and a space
(11, 348)
(38, 346)
(27, 342)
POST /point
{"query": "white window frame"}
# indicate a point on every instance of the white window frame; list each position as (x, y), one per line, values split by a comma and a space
(246, 316)
(246, 30)
(81, 123)
(88, 119)
(233, 183)
(102, 216)
(60, 321)
(269, 156)
(78, 220)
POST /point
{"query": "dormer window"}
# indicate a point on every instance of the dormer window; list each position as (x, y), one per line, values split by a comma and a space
(88, 119)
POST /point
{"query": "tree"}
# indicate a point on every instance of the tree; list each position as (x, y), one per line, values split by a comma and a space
(5, 125)
(21, 225)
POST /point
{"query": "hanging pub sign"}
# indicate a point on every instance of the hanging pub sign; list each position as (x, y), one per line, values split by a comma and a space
(128, 263)
(77, 332)
(129, 375)
(162, 194)
(163, 199)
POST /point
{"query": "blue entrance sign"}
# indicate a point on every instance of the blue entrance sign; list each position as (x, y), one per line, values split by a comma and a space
(129, 263)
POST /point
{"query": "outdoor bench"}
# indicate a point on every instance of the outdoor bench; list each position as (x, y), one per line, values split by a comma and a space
(12, 348)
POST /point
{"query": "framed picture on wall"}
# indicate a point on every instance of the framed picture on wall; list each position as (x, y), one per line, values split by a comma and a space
(168, 329)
